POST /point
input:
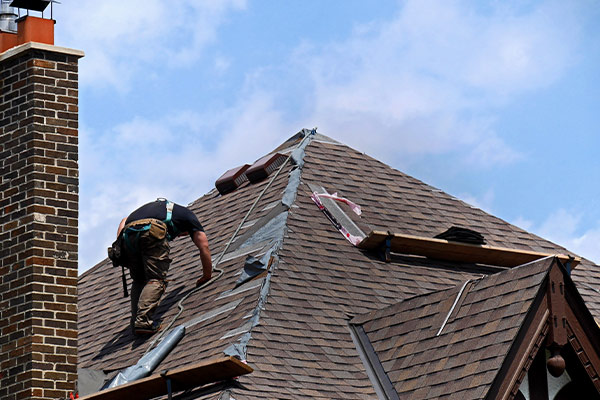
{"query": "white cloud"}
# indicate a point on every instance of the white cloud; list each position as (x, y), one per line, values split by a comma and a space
(503, 49)
(430, 80)
(426, 82)
(523, 223)
(484, 202)
(565, 228)
(125, 38)
(491, 150)
(179, 158)
(222, 64)
(588, 244)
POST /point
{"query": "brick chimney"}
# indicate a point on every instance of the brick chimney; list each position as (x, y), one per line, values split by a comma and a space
(38, 220)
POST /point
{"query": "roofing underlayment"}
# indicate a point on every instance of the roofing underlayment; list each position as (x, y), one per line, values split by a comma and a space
(291, 323)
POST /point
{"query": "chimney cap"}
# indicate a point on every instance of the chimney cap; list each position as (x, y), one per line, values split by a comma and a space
(35, 5)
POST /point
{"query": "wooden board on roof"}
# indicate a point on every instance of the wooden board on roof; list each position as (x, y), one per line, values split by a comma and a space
(182, 378)
(456, 251)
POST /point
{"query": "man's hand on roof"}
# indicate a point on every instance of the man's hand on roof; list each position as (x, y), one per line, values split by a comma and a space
(201, 241)
(202, 280)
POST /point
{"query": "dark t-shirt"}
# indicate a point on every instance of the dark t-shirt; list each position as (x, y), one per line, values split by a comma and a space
(183, 219)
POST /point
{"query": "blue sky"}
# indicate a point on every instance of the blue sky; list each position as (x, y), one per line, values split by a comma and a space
(494, 102)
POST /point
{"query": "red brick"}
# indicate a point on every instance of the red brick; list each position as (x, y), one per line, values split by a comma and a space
(29, 134)
(44, 64)
(39, 261)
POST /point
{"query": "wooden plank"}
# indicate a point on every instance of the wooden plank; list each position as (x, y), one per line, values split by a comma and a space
(522, 347)
(210, 371)
(455, 251)
(373, 240)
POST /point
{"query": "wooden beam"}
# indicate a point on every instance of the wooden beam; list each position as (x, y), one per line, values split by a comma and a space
(591, 352)
(522, 353)
(455, 251)
(557, 335)
(214, 370)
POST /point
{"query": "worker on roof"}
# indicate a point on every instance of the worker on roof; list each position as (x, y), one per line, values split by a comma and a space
(145, 235)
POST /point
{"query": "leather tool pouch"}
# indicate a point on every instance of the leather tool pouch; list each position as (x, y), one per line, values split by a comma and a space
(158, 230)
(115, 251)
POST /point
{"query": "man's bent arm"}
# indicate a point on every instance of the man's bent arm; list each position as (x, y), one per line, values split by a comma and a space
(201, 242)
(121, 226)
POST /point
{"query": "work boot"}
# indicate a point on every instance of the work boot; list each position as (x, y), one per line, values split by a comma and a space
(147, 331)
(148, 301)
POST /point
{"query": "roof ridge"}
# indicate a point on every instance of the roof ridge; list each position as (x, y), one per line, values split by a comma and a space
(288, 198)
(541, 241)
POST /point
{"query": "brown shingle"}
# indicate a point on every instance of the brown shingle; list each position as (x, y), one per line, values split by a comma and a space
(302, 347)
(472, 347)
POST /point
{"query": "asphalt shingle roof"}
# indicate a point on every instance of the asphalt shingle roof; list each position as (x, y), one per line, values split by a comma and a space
(465, 358)
(301, 346)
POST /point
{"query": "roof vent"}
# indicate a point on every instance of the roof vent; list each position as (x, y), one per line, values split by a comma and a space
(463, 235)
(264, 166)
(8, 17)
(34, 5)
(231, 179)
(16, 31)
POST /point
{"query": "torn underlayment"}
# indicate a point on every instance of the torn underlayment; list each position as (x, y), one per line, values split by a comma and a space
(289, 195)
(150, 361)
(239, 350)
(276, 232)
(254, 267)
(270, 230)
(267, 230)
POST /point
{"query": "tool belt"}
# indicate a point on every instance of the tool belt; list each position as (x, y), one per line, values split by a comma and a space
(132, 231)
(128, 240)
(116, 255)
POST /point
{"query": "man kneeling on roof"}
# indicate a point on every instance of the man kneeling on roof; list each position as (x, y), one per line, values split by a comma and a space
(145, 247)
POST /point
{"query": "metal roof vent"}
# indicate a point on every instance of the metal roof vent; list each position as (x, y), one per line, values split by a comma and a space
(24, 29)
(34, 5)
(462, 235)
(232, 179)
(8, 17)
(264, 166)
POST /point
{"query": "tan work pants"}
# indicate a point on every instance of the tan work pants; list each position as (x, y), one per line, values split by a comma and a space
(148, 265)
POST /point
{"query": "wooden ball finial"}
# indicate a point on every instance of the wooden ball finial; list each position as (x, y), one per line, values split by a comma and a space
(556, 364)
